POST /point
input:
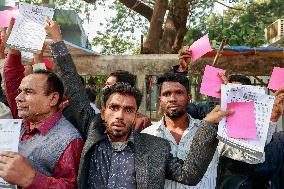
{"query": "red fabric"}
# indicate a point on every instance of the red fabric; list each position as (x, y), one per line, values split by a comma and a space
(65, 172)
(48, 64)
(13, 74)
(42, 128)
(66, 169)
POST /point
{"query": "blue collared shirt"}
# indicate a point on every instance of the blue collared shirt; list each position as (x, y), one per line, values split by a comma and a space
(110, 168)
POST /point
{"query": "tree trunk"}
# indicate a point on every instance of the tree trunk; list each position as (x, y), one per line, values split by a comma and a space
(175, 27)
(162, 39)
(151, 45)
(169, 35)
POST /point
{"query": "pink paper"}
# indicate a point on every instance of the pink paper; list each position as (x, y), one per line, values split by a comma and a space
(242, 123)
(211, 82)
(200, 47)
(6, 15)
(277, 79)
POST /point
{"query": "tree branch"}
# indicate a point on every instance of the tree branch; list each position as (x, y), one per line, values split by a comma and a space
(229, 6)
(139, 7)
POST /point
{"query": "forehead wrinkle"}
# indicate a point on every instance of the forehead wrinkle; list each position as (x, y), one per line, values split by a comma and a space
(123, 106)
(118, 99)
(35, 83)
(170, 86)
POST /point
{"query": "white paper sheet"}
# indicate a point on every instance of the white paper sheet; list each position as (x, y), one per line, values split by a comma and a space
(262, 107)
(28, 33)
(9, 141)
(27, 56)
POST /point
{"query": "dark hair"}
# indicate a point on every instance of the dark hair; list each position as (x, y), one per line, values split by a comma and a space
(123, 88)
(244, 80)
(173, 77)
(92, 94)
(124, 76)
(54, 83)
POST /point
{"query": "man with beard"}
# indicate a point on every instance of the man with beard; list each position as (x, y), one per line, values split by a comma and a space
(178, 127)
(115, 156)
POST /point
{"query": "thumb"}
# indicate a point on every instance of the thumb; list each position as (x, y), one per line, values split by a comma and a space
(227, 112)
(217, 108)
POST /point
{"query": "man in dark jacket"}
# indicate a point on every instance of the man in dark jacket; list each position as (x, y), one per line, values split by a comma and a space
(114, 156)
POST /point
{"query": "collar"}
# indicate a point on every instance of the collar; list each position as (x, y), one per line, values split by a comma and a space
(44, 127)
(129, 140)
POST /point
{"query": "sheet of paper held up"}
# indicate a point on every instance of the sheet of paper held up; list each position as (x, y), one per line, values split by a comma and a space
(28, 33)
(200, 47)
(262, 108)
(236, 126)
(211, 81)
(6, 15)
(276, 80)
(9, 141)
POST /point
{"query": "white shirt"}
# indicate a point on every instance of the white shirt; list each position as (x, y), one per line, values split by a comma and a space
(181, 150)
(95, 108)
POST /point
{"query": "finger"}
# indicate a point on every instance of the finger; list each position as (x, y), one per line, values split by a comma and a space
(279, 98)
(279, 91)
(8, 154)
(218, 90)
(223, 77)
(4, 159)
(217, 108)
(47, 19)
(188, 51)
(3, 33)
(226, 113)
(10, 27)
(185, 56)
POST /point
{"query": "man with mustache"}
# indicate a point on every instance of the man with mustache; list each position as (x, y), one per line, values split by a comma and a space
(177, 126)
(142, 121)
(115, 156)
(49, 147)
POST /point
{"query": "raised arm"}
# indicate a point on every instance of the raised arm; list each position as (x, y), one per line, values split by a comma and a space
(75, 90)
(13, 70)
(202, 150)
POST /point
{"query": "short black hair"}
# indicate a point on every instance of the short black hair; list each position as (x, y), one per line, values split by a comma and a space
(123, 88)
(124, 76)
(54, 83)
(173, 77)
(91, 93)
(244, 80)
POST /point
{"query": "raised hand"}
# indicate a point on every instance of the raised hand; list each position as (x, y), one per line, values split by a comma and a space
(2, 42)
(184, 58)
(53, 30)
(4, 37)
(278, 106)
(224, 79)
(217, 114)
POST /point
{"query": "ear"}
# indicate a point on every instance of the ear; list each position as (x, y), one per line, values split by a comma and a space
(189, 97)
(54, 97)
(103, 109)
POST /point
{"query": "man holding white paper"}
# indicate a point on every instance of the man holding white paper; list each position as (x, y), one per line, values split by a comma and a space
(178, 127)
(49, 147)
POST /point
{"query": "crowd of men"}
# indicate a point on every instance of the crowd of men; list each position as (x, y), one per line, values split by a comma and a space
(67, 142)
